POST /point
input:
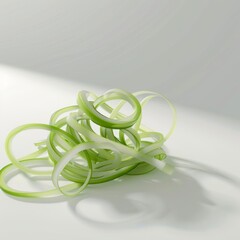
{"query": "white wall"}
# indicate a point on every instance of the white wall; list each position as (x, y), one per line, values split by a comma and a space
(186, 49)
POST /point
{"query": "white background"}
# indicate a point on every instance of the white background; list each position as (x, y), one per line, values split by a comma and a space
(187, 50)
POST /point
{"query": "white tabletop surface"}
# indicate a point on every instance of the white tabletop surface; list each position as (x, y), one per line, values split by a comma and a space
(199, 201)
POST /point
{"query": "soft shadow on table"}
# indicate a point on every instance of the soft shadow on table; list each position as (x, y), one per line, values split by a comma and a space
(178, 200)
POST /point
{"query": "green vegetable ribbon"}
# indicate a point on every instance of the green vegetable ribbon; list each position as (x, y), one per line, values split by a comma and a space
(89, 143)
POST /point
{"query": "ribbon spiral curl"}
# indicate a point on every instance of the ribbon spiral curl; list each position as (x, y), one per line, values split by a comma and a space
(84, 146)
